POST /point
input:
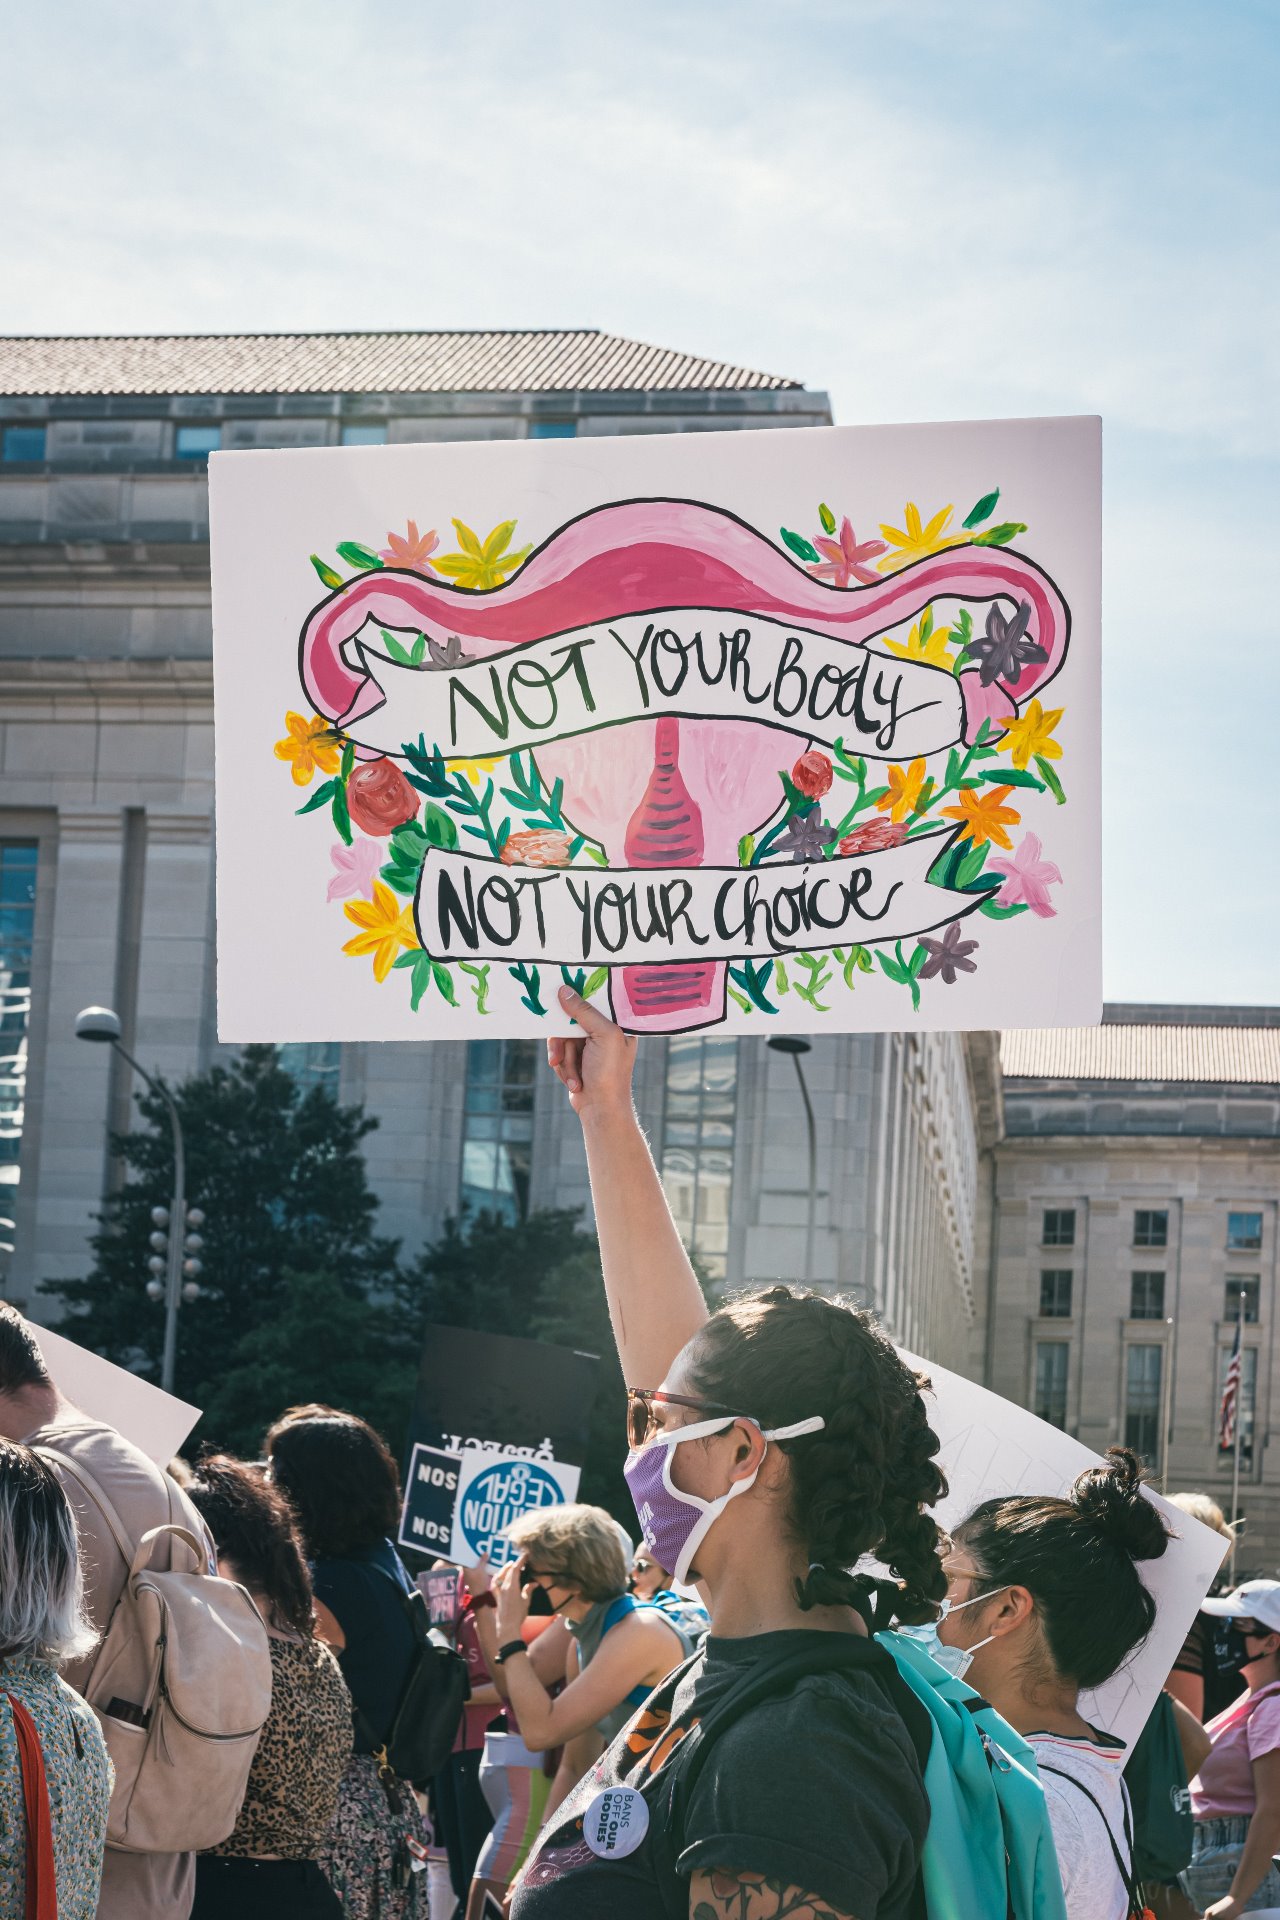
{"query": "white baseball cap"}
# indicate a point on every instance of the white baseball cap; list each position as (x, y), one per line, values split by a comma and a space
(1256, 1600)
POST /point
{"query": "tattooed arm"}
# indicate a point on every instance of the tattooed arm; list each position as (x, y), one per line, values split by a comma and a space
(724, 1895)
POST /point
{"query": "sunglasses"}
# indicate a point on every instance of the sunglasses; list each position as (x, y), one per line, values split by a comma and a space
(546, 1576)
(642, 1414)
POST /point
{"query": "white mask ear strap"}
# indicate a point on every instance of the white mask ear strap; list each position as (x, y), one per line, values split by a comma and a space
(813, 1425)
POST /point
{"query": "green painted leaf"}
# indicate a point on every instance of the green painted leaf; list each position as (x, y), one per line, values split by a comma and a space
(1011, 777)
(865, 961)
(319, 798)
(1051, 779)
(439, 829)
(595, 981)
(348, 761)
(993, 912)
(827, 518)
(409, 958)
(597, 854)
(341, 815)
(746, 847)
(891, 967)
(802, 548)
(327, 574)
(357, 556)
(982, 510)
(970, 867)
(963, 629)
(780, 981)
(444, 980)
(396, 650)
(1001, 536)
(917, 960)
(420, 979)
(419, 650)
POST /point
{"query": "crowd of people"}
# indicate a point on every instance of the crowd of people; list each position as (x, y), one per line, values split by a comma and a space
(206, 1672)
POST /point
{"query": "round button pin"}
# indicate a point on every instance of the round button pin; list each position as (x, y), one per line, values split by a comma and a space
(615, 1823)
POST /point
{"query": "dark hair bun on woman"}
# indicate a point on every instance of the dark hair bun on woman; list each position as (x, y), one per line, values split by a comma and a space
(1111, 1499)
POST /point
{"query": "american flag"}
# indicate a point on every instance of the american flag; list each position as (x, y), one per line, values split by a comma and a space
(1230, 1398)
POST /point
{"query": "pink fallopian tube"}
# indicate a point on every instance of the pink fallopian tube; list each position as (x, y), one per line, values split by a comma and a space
(673, 792)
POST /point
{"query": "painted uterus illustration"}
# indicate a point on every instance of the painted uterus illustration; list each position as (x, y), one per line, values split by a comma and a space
(671, 791)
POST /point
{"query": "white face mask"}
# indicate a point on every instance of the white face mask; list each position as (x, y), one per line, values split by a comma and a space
(953, 1660)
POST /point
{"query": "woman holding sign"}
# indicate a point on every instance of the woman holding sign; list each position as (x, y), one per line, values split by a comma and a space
(772, 1444)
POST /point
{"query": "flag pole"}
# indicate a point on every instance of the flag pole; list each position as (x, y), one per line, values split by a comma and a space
(1166, 1409)
(1235, 1469)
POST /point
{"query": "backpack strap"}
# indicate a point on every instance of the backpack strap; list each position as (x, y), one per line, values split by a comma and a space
(41, 1872)
(131, 1551)
(1133, 1892)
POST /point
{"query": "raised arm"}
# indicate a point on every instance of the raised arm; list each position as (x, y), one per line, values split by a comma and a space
(655, 1302)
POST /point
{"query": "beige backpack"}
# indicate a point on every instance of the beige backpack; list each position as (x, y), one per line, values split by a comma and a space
(181, 1686)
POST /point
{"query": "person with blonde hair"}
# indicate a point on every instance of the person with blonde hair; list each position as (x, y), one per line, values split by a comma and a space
(55, 1778)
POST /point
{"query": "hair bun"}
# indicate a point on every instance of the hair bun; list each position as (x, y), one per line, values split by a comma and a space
(1111, 1499)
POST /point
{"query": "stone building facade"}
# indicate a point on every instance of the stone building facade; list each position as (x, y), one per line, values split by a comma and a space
(106, 857)
(1136, 1194)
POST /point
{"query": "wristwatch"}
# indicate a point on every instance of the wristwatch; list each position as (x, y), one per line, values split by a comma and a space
(508, 1650)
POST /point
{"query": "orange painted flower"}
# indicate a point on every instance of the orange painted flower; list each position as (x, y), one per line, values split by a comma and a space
(903, 792)
(535, 850)
(304, 747)
(985, 816)
(385, 926)
(411, 549)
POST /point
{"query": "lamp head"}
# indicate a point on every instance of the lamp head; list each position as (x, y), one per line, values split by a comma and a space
(789, 1043)
(98, 1023)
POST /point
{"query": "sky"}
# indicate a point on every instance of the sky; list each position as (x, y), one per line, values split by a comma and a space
(930, 210)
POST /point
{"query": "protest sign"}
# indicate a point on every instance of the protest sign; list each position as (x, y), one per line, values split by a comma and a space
(499, 1428)
(142, 1412)
(990, 1448)
(441, 1589)
(799, 724)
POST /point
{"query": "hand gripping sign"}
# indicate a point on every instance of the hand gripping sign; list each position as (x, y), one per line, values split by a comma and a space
(667, 755)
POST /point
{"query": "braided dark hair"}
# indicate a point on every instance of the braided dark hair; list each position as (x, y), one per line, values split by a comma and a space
(861, 1485)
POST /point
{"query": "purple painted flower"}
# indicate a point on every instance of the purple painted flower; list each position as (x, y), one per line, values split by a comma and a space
(446, 656)
(806, 836)
(355, 870)
(1028, 878)
(948, 956)
(1004, 650)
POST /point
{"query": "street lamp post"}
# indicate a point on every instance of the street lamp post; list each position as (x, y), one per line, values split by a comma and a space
(796, 1046)
(102, 1025)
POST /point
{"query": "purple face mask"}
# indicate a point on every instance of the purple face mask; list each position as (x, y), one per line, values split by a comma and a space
(675, 1524)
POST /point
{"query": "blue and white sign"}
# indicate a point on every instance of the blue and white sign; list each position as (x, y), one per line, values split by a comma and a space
(493, 1490)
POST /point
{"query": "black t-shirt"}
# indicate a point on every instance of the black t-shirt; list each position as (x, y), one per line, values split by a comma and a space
(363, 1593)
(820, 1789)
(1212, 1651)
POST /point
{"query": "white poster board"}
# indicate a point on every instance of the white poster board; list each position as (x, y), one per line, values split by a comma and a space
(744, 730)
(990, 1447)
(142, 1412)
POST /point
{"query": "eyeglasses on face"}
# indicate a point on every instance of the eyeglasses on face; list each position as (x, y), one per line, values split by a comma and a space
(642, 1416)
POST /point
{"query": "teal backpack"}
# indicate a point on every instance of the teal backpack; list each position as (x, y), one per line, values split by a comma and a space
(989, 1852)
(990, 1847)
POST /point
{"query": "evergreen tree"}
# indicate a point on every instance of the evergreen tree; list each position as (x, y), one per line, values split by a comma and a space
(281, 1180)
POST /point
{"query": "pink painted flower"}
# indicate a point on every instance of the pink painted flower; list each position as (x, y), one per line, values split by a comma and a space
(1027, 878)
(411, 549)
(876, 837)
(537, 849)
(846, 557)
(355, 868)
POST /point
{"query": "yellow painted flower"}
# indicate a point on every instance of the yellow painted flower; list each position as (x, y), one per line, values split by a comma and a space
(306, 750)
(927, 649)
(918, 539)
(385, 927)
(985, 816)
(904, 790)
(475, 770)
(482, 563)
(1031, 733)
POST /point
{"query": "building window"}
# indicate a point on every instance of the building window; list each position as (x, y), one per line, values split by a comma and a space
(17, 929)
(368, 434)
(314, 1064)
(1146, 1296)
(1055, 1294)
(1244, 1232)
(1059, 1227)
(1150, 1229)
(1051, 1381)
(552, 429)
(699, 1112)
(196, 443)
(497, 1134)
(1248, 1393)
(24, 443)
(1237, 1284)
(1143, 1374)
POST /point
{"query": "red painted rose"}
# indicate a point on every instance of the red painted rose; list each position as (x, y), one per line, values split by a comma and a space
(812, 775)
(379, 798)
(875, 837)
